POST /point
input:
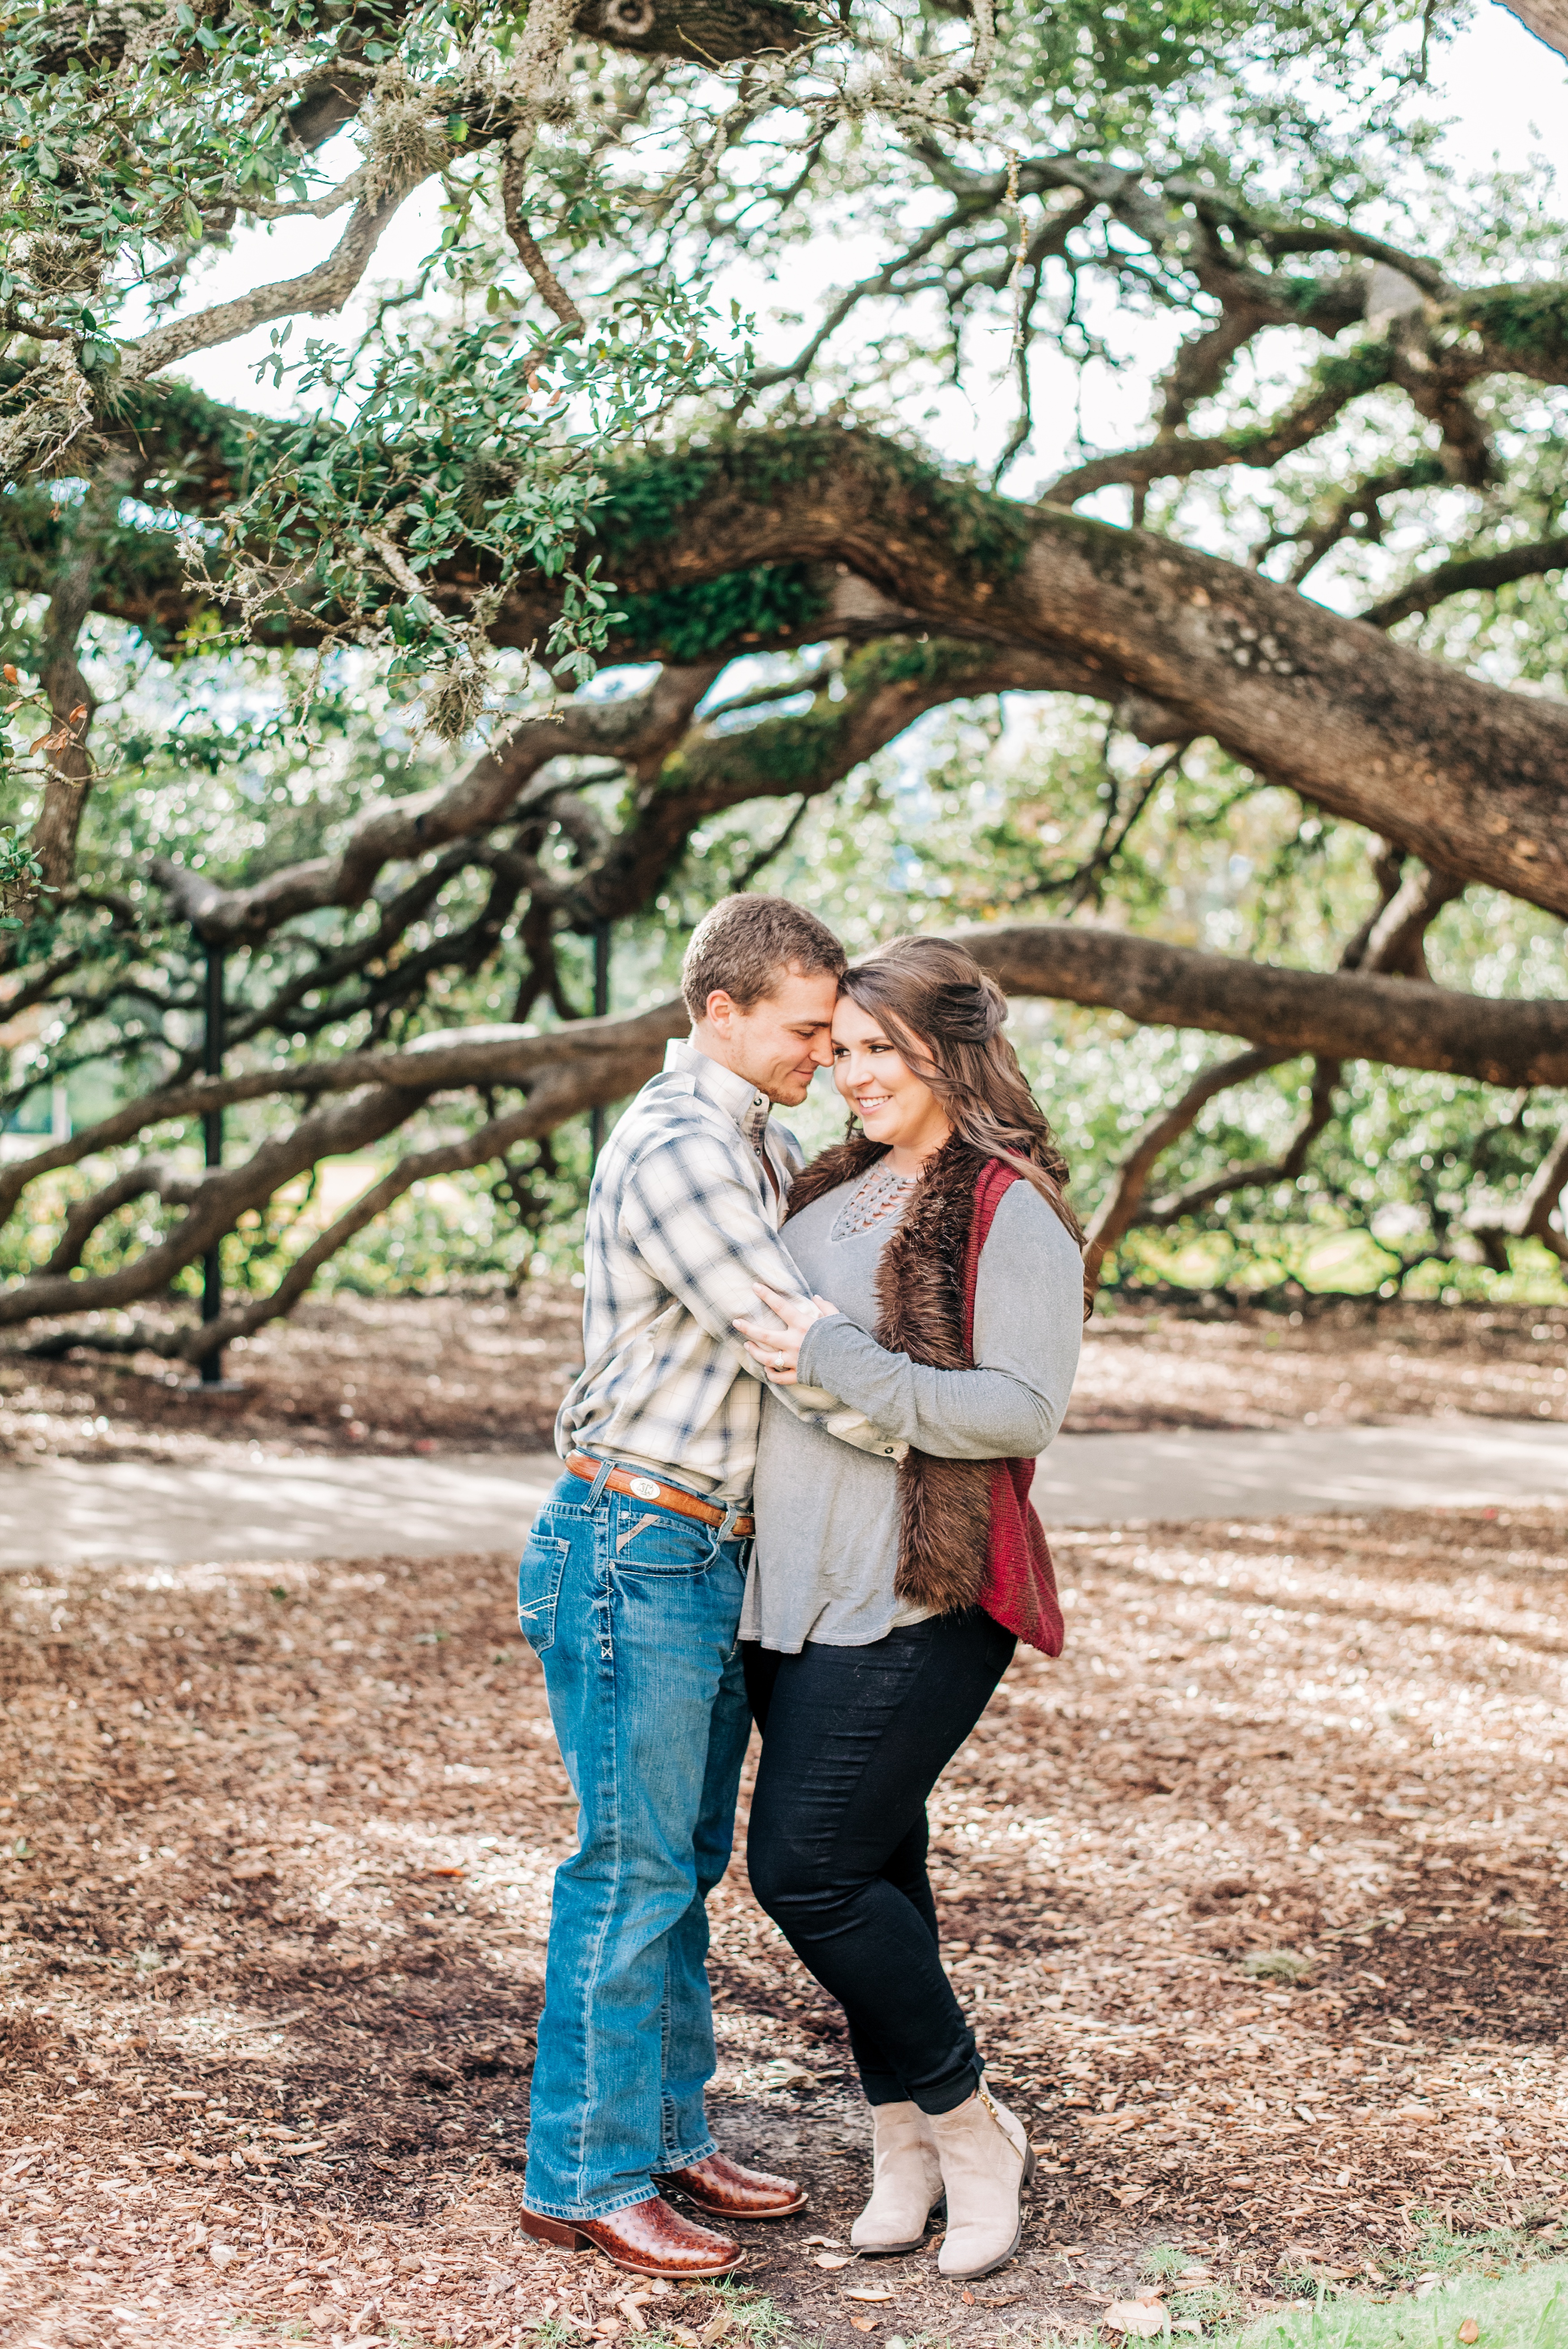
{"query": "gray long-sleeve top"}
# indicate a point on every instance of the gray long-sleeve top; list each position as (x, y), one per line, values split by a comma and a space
(827, 1516)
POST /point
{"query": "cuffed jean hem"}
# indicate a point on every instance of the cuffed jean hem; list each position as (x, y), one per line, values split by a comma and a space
(951, 2094)
(668, 2161)
(945, 2097)
(574, 2215)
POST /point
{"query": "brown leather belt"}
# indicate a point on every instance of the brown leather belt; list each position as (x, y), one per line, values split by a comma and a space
(668, 1496)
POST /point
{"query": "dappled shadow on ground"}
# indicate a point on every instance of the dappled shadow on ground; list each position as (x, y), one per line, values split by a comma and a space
(1256, 1897)
(346, 1375)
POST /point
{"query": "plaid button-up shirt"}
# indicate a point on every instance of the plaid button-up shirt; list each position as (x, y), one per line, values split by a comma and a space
(681, 1220)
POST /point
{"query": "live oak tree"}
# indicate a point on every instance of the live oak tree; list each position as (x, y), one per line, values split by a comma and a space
(531, 436)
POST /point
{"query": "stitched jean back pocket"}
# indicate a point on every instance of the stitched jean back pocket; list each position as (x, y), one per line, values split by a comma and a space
(539, 1587)
(656, 1541)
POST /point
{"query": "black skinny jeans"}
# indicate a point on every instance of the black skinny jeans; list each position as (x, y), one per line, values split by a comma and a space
(854, 1740)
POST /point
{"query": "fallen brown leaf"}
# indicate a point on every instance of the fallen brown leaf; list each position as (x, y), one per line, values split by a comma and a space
(1139, 2320)
(1469, 2330)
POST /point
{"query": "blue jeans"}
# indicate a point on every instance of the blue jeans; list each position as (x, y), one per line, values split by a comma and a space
(632, 1611)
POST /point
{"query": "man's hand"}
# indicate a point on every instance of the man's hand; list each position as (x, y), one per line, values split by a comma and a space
(779, 1351)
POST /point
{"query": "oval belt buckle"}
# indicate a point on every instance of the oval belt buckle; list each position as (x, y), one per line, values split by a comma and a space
(645, 1489)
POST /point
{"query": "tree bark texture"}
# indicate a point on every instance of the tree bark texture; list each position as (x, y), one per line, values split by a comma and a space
(71, 701)
(1547, 19)
(1339, 1014)
(1466, 773)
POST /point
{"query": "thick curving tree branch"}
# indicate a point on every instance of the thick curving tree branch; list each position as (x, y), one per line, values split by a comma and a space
(1339, 1014)
(629, 728)
(1334, 1015)
(217, 1200)
(1467, 774)
(1547, 19)
(1347, 1015)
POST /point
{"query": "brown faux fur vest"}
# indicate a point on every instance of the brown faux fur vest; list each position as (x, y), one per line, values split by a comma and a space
(944, 1506)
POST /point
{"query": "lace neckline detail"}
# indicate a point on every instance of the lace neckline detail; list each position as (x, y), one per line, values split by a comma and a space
(878, 1197)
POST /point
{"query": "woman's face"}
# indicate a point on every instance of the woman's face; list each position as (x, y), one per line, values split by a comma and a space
(895, 1105)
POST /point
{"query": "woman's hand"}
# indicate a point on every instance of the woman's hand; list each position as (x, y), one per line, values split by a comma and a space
(779, 1351)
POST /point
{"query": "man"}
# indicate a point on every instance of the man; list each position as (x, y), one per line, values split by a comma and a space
(630, 1593)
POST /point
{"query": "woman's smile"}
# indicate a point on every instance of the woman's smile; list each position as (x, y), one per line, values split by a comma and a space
(896, 1107)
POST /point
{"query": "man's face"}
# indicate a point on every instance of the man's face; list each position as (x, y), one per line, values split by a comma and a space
(780, 1042)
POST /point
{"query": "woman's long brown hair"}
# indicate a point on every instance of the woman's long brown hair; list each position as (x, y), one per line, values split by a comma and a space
(947, 1017)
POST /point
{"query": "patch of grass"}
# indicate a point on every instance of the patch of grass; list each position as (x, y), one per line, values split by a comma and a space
(1440, 2250)
(1527, 2310)
(1277, 1965)
(753, 2315)
(1206, 2303)
(1165, 2260)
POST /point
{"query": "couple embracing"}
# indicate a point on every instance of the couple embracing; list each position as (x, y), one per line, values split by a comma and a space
(795, 1491)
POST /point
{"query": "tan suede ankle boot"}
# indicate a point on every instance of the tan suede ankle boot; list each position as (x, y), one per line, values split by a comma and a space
(986, 2161)
(906, 2181)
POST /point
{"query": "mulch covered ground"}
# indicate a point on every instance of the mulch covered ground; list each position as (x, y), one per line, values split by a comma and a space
(467, 1374)
(1257, 1896)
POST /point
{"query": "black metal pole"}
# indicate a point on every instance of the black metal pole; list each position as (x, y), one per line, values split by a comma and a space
(601, 1007)
(213, 1138)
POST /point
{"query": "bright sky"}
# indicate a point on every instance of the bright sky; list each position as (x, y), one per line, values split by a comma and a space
(1507, 95)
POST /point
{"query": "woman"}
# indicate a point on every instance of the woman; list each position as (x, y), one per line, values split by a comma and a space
(868, 1658)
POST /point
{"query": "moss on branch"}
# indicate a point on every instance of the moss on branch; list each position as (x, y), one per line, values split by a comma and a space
(776, 605)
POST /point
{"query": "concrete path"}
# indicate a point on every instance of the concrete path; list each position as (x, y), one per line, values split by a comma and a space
(65, 1510)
